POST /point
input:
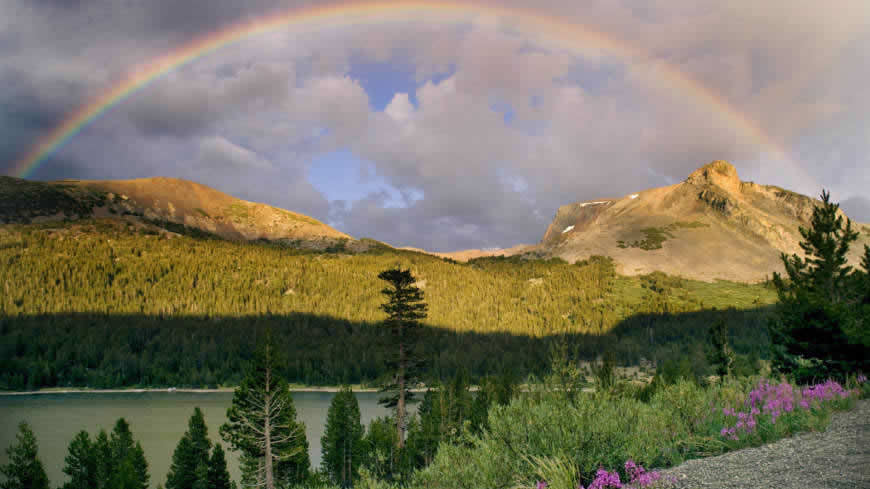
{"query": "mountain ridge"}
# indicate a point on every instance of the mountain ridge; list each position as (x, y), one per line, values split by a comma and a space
(710, 226)
(162, 202)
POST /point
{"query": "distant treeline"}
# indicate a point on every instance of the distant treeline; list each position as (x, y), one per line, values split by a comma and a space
(103, 304)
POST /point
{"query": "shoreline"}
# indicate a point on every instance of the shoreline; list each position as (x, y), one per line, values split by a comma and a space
(78, 390)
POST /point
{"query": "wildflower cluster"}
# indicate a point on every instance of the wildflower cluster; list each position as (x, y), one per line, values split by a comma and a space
(639, 478)
(774, 400)
(820, 393)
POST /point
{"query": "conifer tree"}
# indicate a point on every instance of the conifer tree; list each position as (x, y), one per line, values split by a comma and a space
(103, 455)
(134, 469)
(405, 308)
(121, 441)
(262, 423)
(192, 450)
(218, 476)
(81, 463)
(720, 355)
(200, 476)
(865, 286)
(126, 467)
(24, 470)
(817, 303)
(342, 442)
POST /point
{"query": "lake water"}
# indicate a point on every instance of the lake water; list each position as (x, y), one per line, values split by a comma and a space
(157, 419)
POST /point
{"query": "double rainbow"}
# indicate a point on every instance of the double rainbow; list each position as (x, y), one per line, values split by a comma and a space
(554, 30)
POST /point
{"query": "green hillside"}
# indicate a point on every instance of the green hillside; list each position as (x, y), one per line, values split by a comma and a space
(155, 307)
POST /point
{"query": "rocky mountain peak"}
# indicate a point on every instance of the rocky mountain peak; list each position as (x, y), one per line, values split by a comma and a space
(719, 173)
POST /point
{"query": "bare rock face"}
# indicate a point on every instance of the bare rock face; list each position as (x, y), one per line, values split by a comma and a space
(719, 173)
(710, 226)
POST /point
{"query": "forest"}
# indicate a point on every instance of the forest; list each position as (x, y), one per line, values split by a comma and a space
(560, 426)
(102, 303)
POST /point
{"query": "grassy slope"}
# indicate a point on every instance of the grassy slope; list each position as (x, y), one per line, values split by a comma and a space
(107, 265)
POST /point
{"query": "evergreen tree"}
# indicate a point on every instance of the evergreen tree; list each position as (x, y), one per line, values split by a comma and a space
(380, 442)
(218, 476)
(192, 450)
(81, 463)
(135, 469)
(121, 441)
(24, 470)
(863, 279)
(103, 455)
(428, 435)
(720, 356)
(200, 475)
(262, 422)
(818, 303)
(342, 442)
(121, 460)
(405, 308)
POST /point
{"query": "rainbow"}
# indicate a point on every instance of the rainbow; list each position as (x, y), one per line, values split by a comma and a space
(550, 29)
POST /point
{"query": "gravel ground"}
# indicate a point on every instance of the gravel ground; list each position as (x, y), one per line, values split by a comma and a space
(837, 458)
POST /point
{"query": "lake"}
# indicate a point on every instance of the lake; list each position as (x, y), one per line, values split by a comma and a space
(157, 419)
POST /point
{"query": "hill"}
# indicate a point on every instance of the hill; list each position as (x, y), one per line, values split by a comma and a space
(170, 204)
(710, 226)
(108, 302)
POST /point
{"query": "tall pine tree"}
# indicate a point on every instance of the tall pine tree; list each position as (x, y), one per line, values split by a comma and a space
(81, 463)
(24, 470)
(103, 454)
(262, 423)
(218, 476)
(342, 443)
(719, 353)
(817, 303)
(192, 450)
(405, 309)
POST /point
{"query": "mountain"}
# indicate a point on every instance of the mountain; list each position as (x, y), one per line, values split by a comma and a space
(168, 204)
(466, 255)
(710, 226)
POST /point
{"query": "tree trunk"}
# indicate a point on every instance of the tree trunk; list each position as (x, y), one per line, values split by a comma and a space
(400, 407)
(267, 430)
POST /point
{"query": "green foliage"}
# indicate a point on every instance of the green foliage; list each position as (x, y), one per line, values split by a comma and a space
(342, 444)
(545, 437)
(655, 236)
(819, 313)
(101, 304)
(191, 452)
(81, 463)
(720, 356)
(24, 470)
(262, 423)
(218, 475)
(127, 467)
(115, 461)
(22, 201)
(604, 372)
(405, 309)
(381, 459)
(103, 455)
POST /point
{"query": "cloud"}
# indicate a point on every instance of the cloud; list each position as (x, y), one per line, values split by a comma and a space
(218, 152)
(500, 129)
(857, 208)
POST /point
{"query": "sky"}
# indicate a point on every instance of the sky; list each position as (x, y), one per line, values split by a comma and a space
(447, 129)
